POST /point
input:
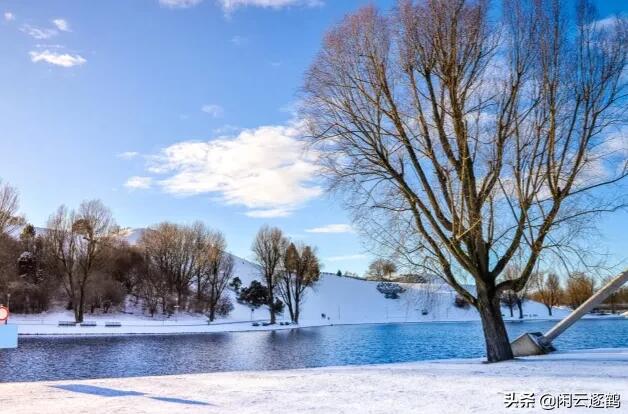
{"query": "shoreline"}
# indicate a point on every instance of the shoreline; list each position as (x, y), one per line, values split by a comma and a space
(174, 329)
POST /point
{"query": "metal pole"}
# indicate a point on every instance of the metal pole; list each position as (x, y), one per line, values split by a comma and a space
(586, 307)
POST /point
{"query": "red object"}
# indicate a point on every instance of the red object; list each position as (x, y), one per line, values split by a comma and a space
(4, 313)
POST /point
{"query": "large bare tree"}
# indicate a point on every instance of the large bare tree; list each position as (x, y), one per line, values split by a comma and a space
(268, 248)
(462, 140)
(174, 250)
(78, 243)
(214, 271)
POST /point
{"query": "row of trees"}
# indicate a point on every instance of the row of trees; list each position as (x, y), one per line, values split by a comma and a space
(547, 289)
(83, 257)
(188, 263)
(185, 267)
(84, 254)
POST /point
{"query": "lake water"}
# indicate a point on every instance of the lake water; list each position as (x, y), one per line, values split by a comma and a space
(56, 358)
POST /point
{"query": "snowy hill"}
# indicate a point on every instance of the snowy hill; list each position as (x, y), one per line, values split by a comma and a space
(347, 300)
(342, 300)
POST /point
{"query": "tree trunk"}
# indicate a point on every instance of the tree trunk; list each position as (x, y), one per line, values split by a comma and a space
(495, 335)
(549, 309)
(289, 303)
(271, 302)
(75, 308)
(81, 305)
(212, 313)
(520, 306)
(79, 313)
(297, 310)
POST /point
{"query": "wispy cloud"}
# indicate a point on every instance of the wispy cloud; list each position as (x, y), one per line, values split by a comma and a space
(239, 40)
(609, 22)
(269, 213)
(227, 130)
(229, 5)
(128, 155)
(9, 17)
(138, 183)
(264, 169)
(38, 32)
(331, 228)
(346, 257)
(214, 110)
(179, 4)
(61, 24)
(65, 60)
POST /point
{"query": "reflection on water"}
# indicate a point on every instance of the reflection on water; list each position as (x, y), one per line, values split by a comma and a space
(48, 358)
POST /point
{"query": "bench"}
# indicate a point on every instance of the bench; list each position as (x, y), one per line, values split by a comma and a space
(113, 324)
(88, 324)
(67, 323)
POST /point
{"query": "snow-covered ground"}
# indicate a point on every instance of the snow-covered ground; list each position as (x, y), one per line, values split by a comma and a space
(342, 300)
(451, 386)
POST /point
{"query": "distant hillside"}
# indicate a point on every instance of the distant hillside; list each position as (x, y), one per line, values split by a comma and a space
(333, 300)
(350, 300)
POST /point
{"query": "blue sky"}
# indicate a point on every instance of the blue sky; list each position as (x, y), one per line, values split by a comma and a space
(116, 100)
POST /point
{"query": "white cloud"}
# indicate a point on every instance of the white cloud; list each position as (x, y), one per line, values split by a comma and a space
(229, 5)
(9, 17)
(345, 258)
(61, 24)
(179, 4)
(239, 40)
(38, 32)
(59, 59)
(138, 183)
(269, 213)
(332, 228)
(264, 169)
(49, 46)
(214, 110)
(128, 155)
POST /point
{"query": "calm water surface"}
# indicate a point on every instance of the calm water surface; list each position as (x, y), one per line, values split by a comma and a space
(48, 358)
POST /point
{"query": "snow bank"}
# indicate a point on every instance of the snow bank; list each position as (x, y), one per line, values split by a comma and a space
(452, 386)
